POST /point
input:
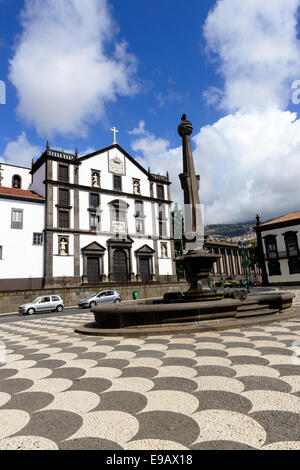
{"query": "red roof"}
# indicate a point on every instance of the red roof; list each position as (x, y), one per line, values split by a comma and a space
(286, 218)
(19, 192)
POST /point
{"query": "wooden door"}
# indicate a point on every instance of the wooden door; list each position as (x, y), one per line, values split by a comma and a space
(120, 266)
(145, 270)
(93, 270)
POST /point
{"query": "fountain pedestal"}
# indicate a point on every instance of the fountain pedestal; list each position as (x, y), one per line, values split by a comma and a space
(198, 265)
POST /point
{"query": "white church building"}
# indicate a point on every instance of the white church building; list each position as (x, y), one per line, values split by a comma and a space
(73, 220)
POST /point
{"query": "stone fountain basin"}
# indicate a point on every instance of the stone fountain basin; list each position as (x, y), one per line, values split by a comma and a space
(137, 318)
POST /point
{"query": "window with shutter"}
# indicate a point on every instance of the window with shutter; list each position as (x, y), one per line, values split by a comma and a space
(63, 173)
(160, 191)
(63, 219)
(64, 199)
(94, 201)
(117, 183)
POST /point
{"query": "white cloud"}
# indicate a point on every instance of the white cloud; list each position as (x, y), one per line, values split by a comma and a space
(21, 152)
(256, 43)
(68, 64)
(157, 154)
(249, 164)
(140, 130)
(249, 160)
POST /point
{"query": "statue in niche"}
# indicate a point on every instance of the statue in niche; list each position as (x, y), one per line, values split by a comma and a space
(63, 247)
(95, 180)
(164, 250)
(136, 187)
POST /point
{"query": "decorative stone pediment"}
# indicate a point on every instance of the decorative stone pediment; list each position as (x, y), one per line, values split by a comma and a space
(120, 241)
(94, 248)
(145, 250)
(119, 204)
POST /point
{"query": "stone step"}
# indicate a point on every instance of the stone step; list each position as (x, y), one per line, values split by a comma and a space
(254, 306)
(256, 313)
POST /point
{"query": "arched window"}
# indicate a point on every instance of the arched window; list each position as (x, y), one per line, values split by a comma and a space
(118, 214)
(16, 182)
(291, 243)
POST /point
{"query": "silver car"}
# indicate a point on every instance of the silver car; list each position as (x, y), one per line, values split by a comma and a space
(103, 297)
(43, 304)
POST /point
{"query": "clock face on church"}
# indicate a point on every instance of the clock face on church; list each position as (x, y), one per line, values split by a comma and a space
(116, 164)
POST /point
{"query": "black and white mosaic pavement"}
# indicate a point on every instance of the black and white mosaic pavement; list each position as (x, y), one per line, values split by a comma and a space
(237, 389)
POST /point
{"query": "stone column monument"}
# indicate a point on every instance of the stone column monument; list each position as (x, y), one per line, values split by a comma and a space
(197, 263)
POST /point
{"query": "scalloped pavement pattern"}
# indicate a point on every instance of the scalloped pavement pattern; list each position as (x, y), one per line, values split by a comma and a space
(237, 389)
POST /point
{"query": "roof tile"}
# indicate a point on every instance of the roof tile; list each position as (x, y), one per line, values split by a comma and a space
(19, 192)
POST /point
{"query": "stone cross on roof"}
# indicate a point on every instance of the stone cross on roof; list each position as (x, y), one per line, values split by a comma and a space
(115, 131)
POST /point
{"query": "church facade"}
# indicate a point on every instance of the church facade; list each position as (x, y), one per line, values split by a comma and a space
(73, 220)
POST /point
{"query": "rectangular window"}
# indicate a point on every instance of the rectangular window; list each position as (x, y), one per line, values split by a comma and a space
(117, 183)
(37, 238)
(161, 211)
(291, 242)
(63, 173)
(94, 201)
(271, 247)
(139, 209)
(139, 226)
(160, 191)
(162, 229)
(17, 219)
(274, 268)
(64, 199)
(1, 252)
(95, 220)
(294, 265)
(17, 216)
(63, 219)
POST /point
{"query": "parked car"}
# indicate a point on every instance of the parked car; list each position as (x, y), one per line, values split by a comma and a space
(50, 303)
(103, 297)
(231, 284)
(257, 284)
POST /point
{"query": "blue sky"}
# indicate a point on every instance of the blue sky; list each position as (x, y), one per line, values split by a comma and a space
(172, 72)
(75, 68)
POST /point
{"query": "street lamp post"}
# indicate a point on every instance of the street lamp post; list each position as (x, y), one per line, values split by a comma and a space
(245, 261)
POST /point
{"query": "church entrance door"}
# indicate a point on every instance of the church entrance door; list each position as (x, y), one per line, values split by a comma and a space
(93, 273)
(120, 266)
(145, 270)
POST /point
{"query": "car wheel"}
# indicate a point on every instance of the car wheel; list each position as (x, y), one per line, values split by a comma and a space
(59, 308)
(117, 301)
(30, 311)
(93, 304)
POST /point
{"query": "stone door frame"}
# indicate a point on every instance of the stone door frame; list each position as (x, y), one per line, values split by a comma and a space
(93, 250)
(123, 244)
(145, 252)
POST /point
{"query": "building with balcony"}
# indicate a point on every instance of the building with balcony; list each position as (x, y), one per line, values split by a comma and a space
(279, 249)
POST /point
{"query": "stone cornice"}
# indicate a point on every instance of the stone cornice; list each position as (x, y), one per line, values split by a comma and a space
(106, 191)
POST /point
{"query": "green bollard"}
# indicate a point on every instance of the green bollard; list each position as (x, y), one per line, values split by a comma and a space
(135, 294)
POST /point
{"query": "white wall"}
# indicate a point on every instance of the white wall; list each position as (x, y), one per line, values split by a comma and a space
(8, 171)
(21, 259)
(38, 177)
